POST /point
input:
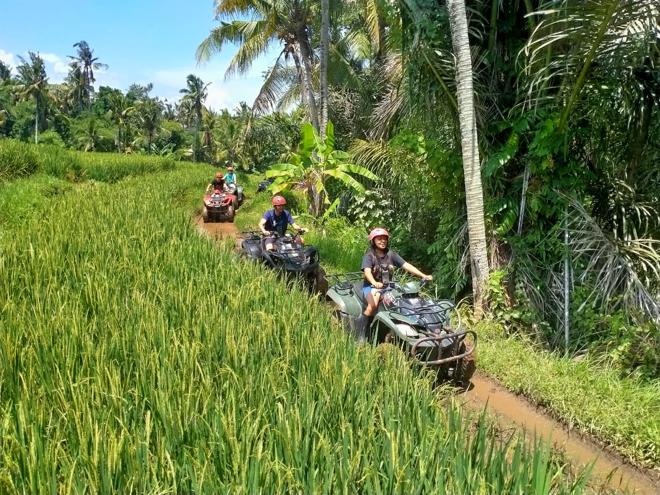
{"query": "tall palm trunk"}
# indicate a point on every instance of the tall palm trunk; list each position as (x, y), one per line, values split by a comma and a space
(325, 32)
(306, 54)
(36, 122)
(474, 196)
(301, 80)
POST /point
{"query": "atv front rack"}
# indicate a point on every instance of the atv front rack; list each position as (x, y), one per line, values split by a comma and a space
(343, 283)
(456, 337)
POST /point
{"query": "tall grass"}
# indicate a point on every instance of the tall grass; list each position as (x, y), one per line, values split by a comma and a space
(18, 159)
(138, 357)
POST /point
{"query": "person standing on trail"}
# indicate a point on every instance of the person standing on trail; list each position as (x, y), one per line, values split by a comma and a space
(378, 264)
(218, 183)
(276, 221)
(230, 176)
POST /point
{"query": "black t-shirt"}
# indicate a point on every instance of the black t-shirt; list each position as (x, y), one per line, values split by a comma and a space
(218, 184)
(378, 264)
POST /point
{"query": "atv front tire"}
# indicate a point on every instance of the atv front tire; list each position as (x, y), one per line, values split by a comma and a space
(231, 212)
(205, 215)
(465, 368)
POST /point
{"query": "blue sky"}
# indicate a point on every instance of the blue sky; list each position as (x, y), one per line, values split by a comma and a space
(142, 41)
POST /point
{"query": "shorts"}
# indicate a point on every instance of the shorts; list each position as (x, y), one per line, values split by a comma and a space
(367, 290)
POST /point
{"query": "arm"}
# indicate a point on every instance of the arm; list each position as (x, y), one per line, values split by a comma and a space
(370, 278)
(412, 269)
(298, 227)
(262, 226)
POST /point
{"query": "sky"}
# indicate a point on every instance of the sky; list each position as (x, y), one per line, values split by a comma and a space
(142, 41)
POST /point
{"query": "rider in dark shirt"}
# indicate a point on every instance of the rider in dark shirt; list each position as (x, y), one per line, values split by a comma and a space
(218, 183)
(378, 264)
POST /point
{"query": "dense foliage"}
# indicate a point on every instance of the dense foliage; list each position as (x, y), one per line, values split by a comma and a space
(569, 129)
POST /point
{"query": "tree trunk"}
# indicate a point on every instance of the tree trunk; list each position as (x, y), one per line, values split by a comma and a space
(306, 54)
(301, 80)
(36, 122)
(474, 196)
(325, 32)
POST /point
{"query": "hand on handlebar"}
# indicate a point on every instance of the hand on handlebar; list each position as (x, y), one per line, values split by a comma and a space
(427, 278)
(378, 285)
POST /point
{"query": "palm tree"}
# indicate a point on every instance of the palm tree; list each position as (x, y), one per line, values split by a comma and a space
(148, 114)
(209, 125)
(474, 196)
(84, 63)
(325, 34)
(120, 113)
(193, 98)
(5, 72)
(270, 21)
(33, 82)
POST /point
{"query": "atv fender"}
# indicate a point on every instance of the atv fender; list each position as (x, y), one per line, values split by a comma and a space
(252, 249)
(348, 304)
(399, 324)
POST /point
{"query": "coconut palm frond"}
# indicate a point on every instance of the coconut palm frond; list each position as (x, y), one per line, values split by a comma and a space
(571, 39)
(276, 82)
(623, 272)
(290, 98)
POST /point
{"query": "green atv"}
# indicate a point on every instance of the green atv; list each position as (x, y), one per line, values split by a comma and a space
(421, 326)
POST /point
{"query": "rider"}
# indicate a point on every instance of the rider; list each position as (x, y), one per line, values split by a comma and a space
(276, 220)
(230, 176)
(217, 183)
(377, 265)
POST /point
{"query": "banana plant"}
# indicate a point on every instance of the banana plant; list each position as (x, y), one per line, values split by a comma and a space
(312, 164)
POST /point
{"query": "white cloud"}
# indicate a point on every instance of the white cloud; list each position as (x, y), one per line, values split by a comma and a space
(7, 58)
(58, 65)
(221, 94)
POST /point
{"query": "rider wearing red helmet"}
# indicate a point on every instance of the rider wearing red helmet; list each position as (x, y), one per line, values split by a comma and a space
(276, 220)
(377, 265)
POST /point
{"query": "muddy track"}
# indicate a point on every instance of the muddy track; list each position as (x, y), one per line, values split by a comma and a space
(609, 471)
(514, 413)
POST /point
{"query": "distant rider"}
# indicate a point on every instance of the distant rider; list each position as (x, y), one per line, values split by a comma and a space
(230, 176)
(378, 264)
(217, 183)
(276, 220)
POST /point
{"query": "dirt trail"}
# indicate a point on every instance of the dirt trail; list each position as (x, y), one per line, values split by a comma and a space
(513, 411)
(217, 230)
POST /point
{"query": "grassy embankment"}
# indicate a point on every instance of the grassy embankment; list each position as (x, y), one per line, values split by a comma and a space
(620, 412)
(32, 176)
(142, 358)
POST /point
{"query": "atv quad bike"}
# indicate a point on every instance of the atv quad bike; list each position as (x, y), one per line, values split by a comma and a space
(219, 206)
(263, 185)
(289, 255)
(421, 326)
(237, 191)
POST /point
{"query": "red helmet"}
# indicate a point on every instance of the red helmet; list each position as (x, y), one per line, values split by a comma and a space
(278, 201)
(378, 231)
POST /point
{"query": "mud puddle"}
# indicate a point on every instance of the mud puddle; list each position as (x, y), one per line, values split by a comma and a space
(511, 411)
